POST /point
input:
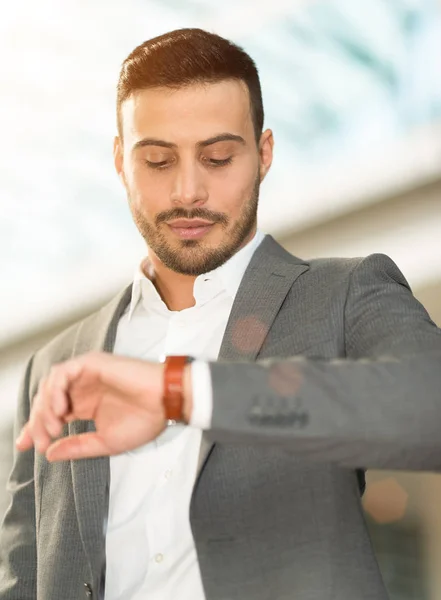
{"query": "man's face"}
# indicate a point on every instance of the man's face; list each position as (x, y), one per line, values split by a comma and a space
(192, 170)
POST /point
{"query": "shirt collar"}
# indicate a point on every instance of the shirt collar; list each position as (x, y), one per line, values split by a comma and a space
(142, 286)
(226, 277)
(232, 271)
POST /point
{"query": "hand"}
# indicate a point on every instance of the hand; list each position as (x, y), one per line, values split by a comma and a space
(123, 396)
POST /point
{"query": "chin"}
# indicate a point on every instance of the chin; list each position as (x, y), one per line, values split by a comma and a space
(190, 243)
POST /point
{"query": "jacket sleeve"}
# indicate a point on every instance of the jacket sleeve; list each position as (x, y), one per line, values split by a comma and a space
(378, 408)
(18, 556)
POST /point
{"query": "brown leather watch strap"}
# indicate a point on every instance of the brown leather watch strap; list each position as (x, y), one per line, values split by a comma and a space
(173, 397)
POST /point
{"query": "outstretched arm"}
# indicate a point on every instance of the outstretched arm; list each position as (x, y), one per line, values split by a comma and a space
(379, 413)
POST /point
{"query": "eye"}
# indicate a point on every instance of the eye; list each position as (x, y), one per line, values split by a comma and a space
(157, 165)
(214, 162)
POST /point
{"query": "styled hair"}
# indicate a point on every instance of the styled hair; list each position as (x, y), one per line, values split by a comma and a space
(188, 56)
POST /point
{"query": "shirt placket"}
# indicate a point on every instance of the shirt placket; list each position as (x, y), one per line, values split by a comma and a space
(162, 521)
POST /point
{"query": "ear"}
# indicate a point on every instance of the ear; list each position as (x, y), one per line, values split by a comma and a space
(266, 146)
(118, 159)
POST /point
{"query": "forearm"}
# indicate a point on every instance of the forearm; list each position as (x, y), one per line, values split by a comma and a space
(377, 413)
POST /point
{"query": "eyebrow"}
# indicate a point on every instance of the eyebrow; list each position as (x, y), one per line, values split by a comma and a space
(223, 137)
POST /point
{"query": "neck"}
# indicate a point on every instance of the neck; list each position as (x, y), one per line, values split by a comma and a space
(175, 289)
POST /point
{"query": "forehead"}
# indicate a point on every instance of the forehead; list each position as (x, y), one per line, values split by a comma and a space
(189, 114)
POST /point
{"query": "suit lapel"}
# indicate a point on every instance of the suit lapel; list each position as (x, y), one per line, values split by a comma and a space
(267, 280)
(91, 477)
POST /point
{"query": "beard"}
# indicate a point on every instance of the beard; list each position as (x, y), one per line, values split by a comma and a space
(194, 257)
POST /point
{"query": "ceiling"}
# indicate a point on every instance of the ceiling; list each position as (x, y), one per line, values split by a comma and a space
(352, 92)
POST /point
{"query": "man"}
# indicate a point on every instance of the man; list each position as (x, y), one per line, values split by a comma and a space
(306, 372)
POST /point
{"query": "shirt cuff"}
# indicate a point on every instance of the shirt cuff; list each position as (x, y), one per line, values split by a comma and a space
(202, 409)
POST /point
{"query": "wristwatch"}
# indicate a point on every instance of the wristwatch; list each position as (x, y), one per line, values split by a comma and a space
(173, 395)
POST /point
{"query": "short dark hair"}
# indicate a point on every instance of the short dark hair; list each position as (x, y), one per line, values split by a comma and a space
(186, 56)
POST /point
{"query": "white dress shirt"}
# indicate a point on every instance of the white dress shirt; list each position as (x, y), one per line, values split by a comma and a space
(150, 551)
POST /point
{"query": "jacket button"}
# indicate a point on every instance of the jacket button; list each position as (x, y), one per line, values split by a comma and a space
(88, 590)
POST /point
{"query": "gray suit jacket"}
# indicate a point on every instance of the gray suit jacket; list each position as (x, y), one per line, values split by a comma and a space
(275, 510)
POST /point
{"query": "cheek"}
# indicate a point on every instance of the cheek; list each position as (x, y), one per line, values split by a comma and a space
(234, 192)
(151, 193)
(241, 181)
(235, 185)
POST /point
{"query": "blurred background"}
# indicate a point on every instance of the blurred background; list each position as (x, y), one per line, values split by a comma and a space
(352, 91)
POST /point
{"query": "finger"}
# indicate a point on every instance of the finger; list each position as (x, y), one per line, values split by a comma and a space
(85, 445)
(37, 430)
(49, 420)
(60, 378)
(36, 424)
(24, 441)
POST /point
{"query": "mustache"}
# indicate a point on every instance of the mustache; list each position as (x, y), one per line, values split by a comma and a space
(195, 213)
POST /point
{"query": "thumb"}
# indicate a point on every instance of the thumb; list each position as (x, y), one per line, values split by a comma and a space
(84, 445)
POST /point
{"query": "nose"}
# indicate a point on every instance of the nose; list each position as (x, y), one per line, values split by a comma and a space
(189, 186)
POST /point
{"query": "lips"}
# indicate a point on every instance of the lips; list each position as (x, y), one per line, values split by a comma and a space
(189, 223)
(190, 228)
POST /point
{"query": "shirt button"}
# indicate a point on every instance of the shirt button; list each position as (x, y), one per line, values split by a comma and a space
(168, 473)
(159, 557)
